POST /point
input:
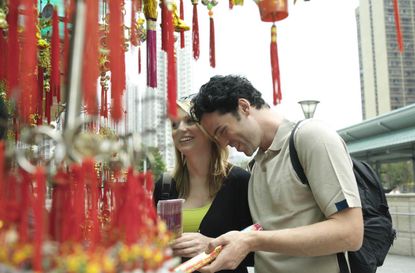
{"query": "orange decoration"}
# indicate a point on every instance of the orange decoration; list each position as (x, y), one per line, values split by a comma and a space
(273, 10)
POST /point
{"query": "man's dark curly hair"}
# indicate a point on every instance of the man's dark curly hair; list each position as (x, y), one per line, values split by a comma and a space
(221, 94)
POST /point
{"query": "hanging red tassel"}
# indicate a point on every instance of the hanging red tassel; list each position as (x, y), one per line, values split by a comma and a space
(164, 30)
(38, 210)
(398, 25)
(40, 82)
(3, 57)
(55, 78)
(91, 53)
(150, 12)
(67, 18)
(195, 31)
(182, 41)
(133, 27)
(28, 97)
(171, 66)
(79, 202)
(275, 70)
(117, 61)
(92, 182)
(48, 104)
(24, 208)
(212, 54)
(13, 48)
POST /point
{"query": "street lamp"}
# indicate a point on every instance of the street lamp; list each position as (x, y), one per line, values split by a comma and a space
(309, 107)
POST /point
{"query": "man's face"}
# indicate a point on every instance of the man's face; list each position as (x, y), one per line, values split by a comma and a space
(226, 129)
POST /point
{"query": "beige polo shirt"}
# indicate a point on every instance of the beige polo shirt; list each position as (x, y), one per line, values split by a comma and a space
(279, 200)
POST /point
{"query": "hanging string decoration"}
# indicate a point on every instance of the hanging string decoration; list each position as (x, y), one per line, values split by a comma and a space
(27, 99)
(171, 60)
(13, 49)
(272, 11)
(210, 4)
(116, 57)
(182, 41)
(195, 31)
(91, 53)
(150, 12)
(398, 25)
(55, 77)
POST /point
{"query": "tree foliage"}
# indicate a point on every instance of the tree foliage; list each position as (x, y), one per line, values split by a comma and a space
(396, 174)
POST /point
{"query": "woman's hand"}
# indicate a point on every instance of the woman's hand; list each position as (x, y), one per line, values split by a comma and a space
(190, 244)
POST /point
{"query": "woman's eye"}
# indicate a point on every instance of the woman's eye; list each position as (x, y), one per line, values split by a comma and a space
(175, 124)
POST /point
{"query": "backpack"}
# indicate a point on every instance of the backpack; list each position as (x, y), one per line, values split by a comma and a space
(378, 231)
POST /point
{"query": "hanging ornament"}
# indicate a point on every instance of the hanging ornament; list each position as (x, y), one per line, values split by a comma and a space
(150, 12)
(142, 36)
(13, 48)
(272, 11)
(55, 45)
(3, 56)
(195, 31)
(182, 41)
(398, 25)
(275, 69)
(163, 8)
(28, 76)
(117, 60)
(212, 54)
(38, 211)
(171, 61)
(91, 53)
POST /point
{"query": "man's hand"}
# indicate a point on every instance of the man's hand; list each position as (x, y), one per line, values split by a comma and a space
(190, 244)
(234, 250)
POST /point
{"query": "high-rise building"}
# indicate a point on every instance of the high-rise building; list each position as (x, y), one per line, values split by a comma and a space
(387, 76)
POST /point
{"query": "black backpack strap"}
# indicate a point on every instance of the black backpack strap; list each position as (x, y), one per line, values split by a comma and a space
(298, 168)
(165, 186)
(341, 259)
(295, 161)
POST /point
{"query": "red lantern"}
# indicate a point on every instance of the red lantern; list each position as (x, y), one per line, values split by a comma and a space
(272, 10)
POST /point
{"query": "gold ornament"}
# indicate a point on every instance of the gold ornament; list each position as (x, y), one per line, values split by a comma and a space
(3, 21)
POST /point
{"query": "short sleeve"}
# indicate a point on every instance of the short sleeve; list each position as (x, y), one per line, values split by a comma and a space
(328, 167)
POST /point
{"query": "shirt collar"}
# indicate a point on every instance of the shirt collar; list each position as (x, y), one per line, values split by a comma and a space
(280, 137)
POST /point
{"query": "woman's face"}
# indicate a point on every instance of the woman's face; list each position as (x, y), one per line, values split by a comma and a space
(188, 137)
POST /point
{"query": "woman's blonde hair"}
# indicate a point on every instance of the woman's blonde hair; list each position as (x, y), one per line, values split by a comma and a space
(218, 166)
(218, 170)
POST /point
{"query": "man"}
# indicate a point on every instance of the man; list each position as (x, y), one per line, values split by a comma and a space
(304, 225)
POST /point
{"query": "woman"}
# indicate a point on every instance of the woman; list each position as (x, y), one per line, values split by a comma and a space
(215, 192)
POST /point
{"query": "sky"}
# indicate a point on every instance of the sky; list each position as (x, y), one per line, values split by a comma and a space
(318, 54)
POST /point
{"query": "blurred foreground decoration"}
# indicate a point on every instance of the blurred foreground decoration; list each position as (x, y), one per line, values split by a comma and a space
(98, 216)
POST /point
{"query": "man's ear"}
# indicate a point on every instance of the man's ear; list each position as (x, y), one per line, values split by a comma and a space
(244, 106)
